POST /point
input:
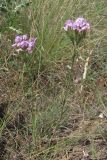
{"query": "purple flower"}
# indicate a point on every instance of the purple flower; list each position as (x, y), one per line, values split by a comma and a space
(31, 44)
(82, 24)
(68, 25)
(76, 30)
(18, 39)
(24, 43)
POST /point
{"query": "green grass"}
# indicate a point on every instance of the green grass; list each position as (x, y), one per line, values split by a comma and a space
(43, 116)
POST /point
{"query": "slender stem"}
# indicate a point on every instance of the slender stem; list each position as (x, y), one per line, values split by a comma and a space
(71, 72)
(73, 61)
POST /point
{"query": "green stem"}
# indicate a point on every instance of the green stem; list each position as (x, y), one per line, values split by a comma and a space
(71, 71)
(73, 61)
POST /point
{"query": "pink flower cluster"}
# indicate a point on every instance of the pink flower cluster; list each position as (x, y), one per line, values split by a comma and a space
(25, 43)
(79, 25)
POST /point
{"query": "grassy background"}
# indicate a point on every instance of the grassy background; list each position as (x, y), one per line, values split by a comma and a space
(41, 116)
